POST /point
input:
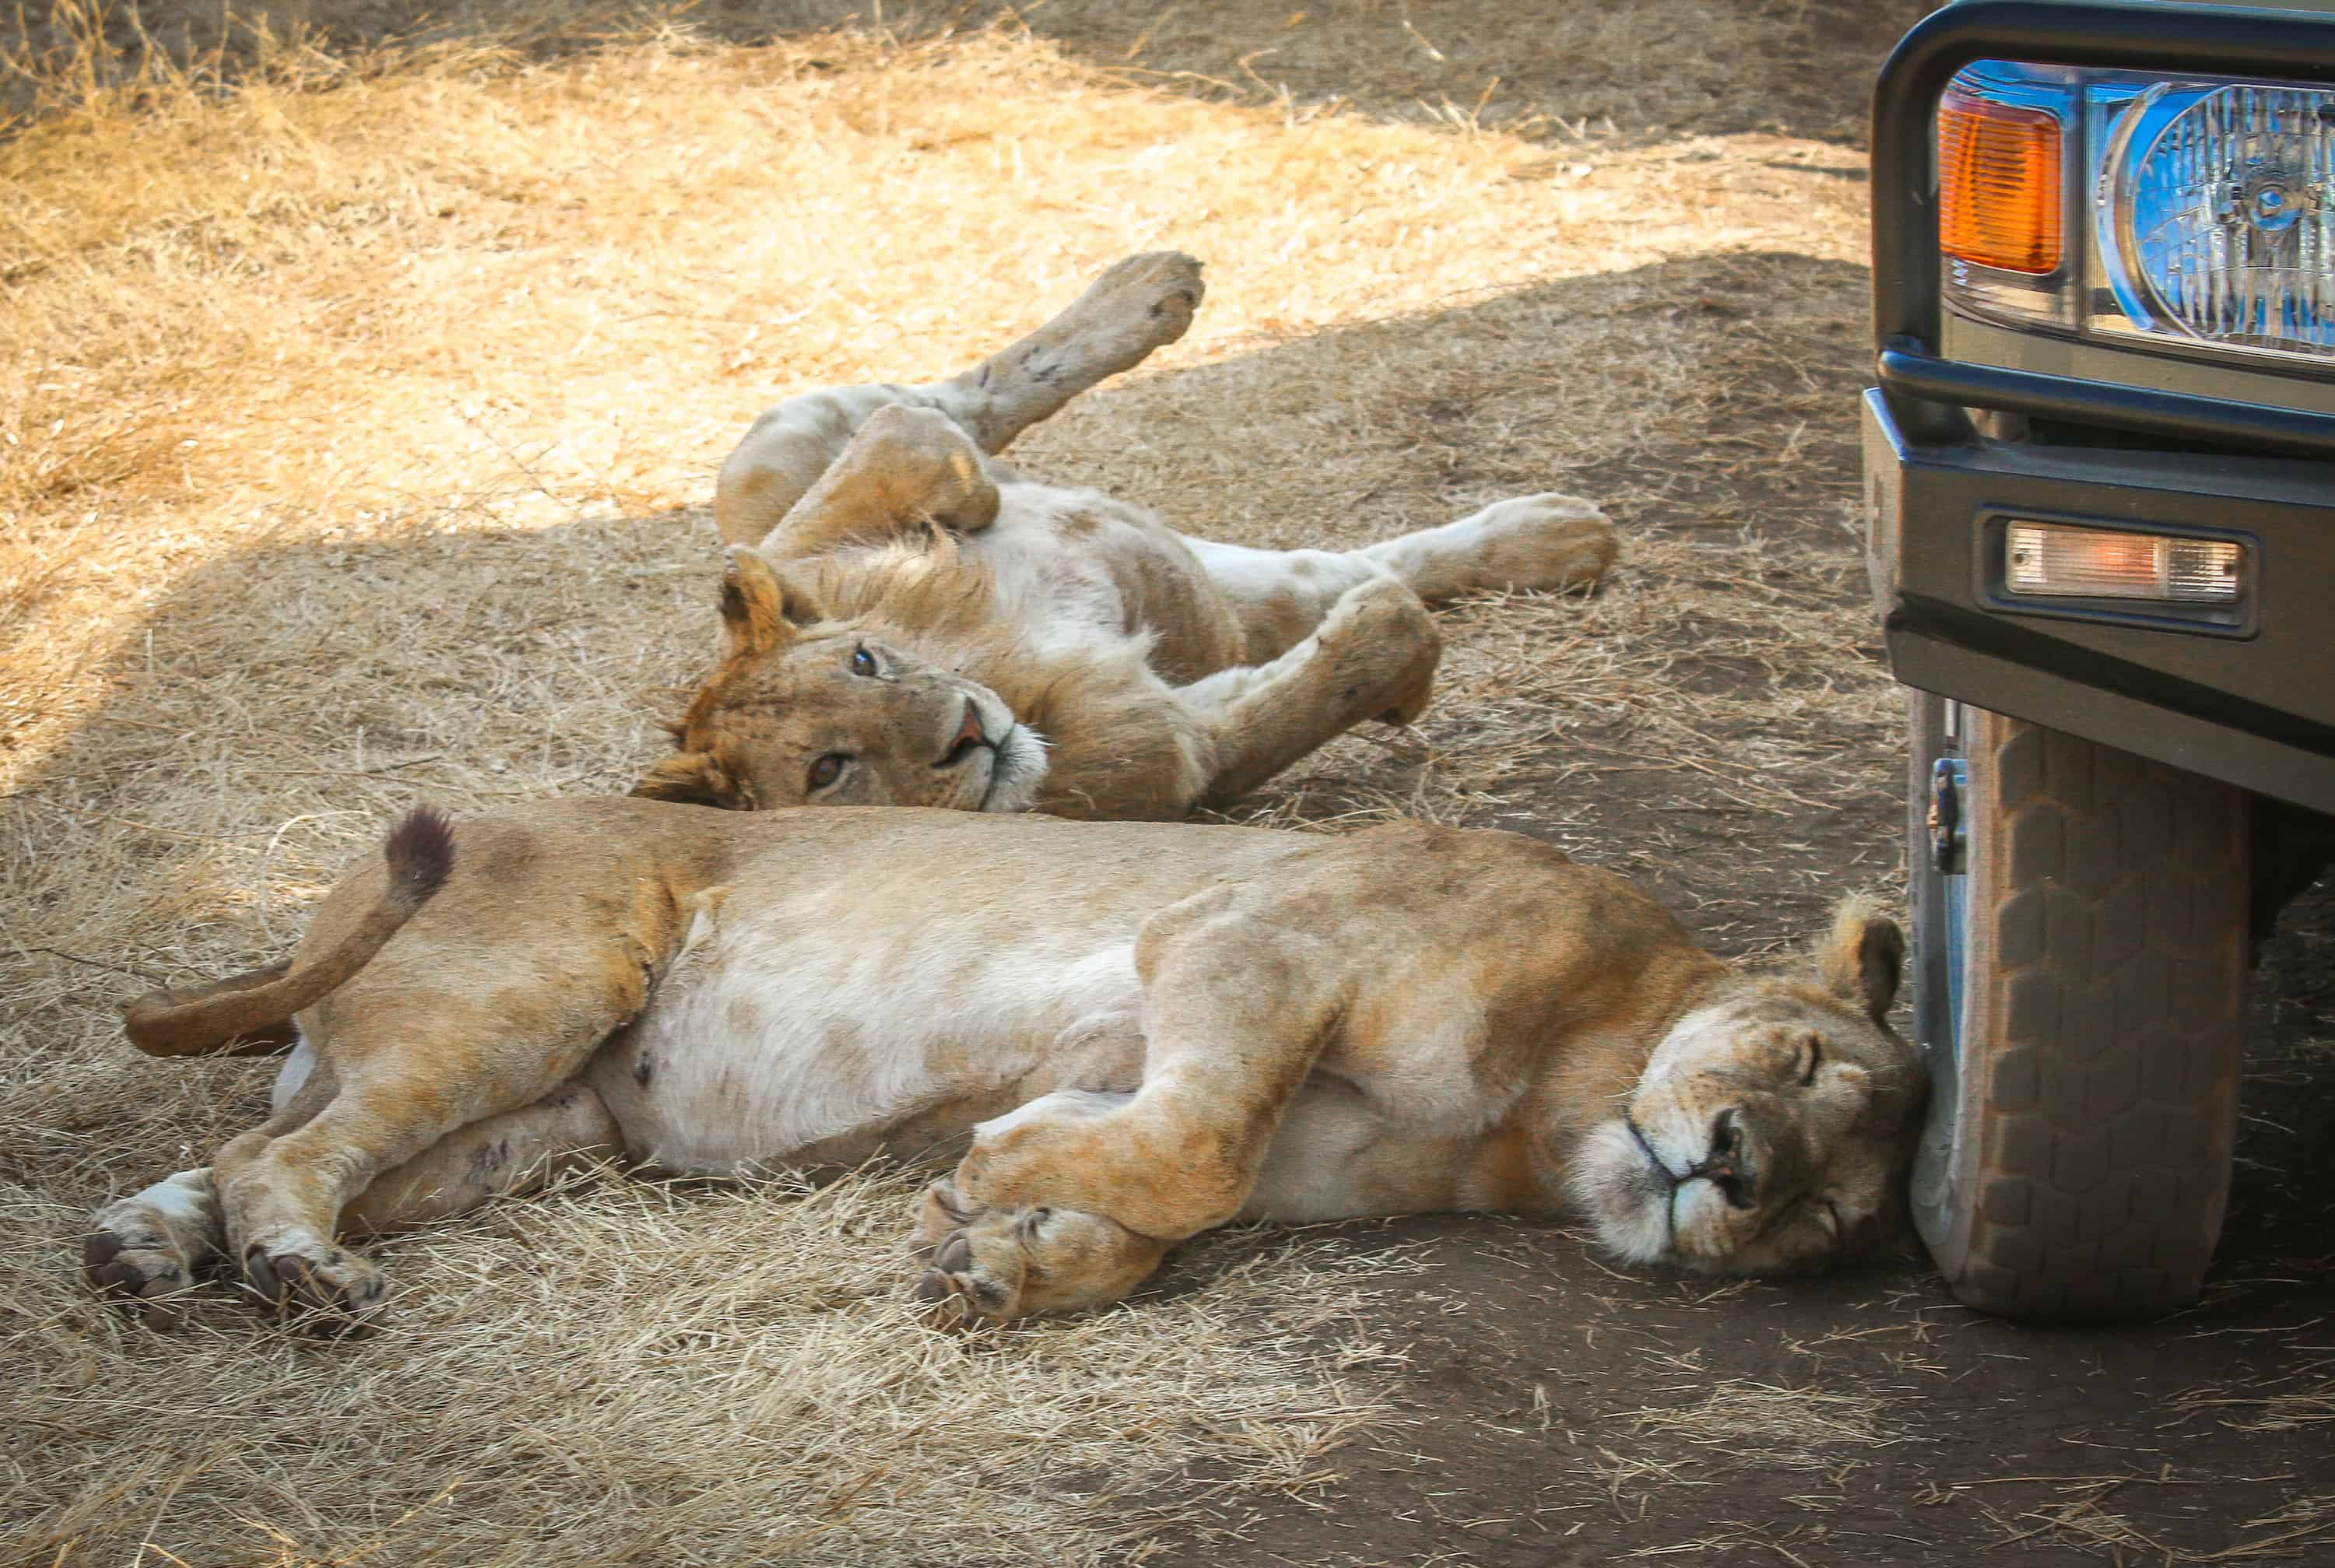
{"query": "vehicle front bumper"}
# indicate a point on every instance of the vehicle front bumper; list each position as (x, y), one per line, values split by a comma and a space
(2254, 706)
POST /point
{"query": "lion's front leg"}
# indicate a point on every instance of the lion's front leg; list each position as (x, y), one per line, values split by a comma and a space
(1373, 658)
(1072, 1199)
(996, 1258)
(1026, 1260)
(906, 467)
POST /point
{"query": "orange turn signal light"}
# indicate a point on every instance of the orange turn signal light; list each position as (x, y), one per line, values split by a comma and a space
(1999, 186)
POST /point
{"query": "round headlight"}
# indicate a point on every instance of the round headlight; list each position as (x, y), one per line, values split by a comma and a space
(2220, 205)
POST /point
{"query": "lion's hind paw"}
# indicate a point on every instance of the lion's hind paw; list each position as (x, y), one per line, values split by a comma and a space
(1547, 542)
(328, 1284)
(144, 1252)
(142, 1272)
(1386, 642)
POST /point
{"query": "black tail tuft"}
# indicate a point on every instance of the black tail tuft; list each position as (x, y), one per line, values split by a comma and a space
(420, 853)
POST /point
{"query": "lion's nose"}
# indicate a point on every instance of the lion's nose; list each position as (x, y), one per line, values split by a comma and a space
(967, 737)
(1727, 1166)
(1726, 1134)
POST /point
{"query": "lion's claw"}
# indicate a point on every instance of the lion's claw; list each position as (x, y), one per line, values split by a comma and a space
(956, 1281)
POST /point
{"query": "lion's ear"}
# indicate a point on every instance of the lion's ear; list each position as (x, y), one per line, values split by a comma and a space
(692, 778)
(761, 610)
(1860, 958)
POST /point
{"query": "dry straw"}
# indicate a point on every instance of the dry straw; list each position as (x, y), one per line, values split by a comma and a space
(357, 407)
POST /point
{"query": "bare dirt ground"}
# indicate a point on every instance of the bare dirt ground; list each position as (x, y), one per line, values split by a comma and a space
(357, 410)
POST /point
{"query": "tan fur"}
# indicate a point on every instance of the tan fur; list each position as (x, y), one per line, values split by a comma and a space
(239, 1017)
(1144, 1031)
(1157, 671)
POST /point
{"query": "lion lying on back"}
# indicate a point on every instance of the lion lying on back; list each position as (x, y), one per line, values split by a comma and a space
(1144, 1029)
(908, 622)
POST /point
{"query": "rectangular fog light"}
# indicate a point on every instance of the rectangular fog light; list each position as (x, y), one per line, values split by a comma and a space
(2048, 560)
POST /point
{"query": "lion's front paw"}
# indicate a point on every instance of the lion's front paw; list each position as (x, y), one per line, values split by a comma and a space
(917, 460)
(976, 1273)
(1013, 1263)
(1149, 299)
(303, 1276)
(1384, 631)
(940, 1215)
(1139, 305)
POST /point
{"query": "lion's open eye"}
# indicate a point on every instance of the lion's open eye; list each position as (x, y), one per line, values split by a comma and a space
(863, 663)
(1815, 1060)
(828, 769)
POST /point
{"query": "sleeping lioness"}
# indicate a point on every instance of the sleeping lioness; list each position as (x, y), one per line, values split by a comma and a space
(909, 622)
(1144, 1029)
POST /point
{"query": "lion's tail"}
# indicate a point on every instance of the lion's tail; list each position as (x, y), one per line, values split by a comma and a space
(246, 1015)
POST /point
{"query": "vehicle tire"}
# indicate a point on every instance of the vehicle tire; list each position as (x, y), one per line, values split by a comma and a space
(2076, 1157)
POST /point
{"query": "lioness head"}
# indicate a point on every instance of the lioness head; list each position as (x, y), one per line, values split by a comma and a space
(806, 711)
(1772, 1128)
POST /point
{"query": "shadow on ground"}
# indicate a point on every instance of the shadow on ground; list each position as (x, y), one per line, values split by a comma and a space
(1567, 75)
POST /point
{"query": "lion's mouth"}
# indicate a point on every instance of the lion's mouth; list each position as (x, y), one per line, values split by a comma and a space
(998, 766)
(1017, 770)
(1628, 1193)
(1653, 1158)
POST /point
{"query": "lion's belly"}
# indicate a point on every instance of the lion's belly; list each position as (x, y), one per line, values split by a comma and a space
(762, 1052)
(1063, 600)
(1080, 573)
(1338, 1155)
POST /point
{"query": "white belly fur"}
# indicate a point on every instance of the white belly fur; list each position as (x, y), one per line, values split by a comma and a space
(1059, 593)
(798, 1024)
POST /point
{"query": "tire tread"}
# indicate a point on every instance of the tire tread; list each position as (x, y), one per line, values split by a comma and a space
(2101, 1041)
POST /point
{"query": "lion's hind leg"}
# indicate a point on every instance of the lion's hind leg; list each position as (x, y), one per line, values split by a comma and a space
(496, 1156)
(1541, 542)
(1546, 542)
(1142, 303)
(1139, 305)
(409, 1065)
(146, 1250)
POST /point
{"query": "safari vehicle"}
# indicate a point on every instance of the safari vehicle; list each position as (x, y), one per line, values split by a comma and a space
(2099, 474)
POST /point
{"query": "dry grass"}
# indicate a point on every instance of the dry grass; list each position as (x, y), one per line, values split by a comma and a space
(2078, 1520)
(357, 408)
(1569, 78)
(769, 1395)
(2299, 1393)
(1804, 1428)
